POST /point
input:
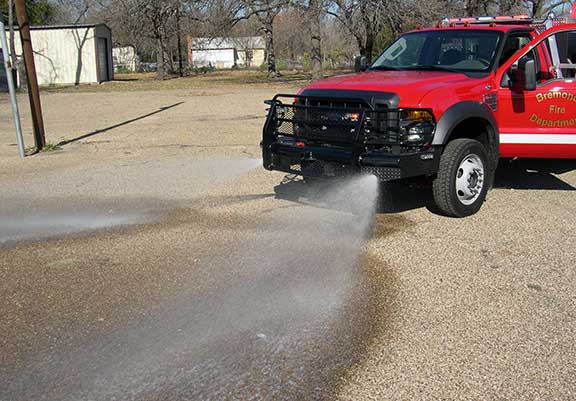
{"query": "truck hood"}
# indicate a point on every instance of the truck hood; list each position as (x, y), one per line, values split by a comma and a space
(410, 86)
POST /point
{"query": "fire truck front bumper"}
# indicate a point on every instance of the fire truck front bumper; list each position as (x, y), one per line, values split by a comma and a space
(323, 162)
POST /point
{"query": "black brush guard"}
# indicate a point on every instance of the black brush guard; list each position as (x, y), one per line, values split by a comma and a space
(317, 137)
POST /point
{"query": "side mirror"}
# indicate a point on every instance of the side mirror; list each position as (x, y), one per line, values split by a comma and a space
(528, 68)
(360, 63)
(521, 77)
(507, 80)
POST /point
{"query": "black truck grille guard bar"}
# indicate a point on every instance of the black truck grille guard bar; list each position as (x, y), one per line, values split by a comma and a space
(332, 121)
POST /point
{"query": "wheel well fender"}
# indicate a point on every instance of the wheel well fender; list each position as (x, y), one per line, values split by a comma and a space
(469, 119)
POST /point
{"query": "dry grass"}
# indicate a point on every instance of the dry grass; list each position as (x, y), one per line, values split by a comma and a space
(146, 81)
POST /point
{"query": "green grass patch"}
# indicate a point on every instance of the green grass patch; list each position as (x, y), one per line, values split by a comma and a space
(49, 147)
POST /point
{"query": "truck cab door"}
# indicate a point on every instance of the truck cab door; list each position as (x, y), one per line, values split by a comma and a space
(537, 98)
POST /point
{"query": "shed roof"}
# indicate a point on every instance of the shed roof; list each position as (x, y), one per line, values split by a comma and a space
(64, 26)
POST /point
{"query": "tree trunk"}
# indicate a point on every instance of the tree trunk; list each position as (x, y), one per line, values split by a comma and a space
(159, 59)
(361, 45)
(369, 46)
(473, 8)
(316, 39)
(179, 40)
(506, 6)
(270, 56)
(537, 7)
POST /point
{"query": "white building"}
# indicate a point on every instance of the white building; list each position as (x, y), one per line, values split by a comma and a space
(71, 54)
(226, 52)
(125, 59)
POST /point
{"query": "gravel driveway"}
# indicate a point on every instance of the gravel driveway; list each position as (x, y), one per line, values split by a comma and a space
(152, 258)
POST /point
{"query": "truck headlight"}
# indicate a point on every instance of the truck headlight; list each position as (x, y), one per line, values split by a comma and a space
(416, 115)
(416, 127)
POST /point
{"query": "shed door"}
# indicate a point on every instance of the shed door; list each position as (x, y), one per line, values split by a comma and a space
(103, 60)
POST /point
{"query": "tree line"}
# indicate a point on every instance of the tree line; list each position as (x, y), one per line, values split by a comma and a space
(315, 31)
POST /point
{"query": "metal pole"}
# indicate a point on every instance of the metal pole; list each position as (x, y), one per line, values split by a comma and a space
(11, 87)
(33, 91)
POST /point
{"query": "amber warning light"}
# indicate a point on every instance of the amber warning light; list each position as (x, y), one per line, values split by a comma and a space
(352, 116)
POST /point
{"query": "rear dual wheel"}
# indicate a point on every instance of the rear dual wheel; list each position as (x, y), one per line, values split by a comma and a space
(463, 178)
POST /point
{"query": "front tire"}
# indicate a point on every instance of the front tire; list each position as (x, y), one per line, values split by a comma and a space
(463, 178)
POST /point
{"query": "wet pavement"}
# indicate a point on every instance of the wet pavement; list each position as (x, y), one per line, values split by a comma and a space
(271, 312)
(49, 224)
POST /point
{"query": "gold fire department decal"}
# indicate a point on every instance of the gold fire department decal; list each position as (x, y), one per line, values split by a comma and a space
(551, 123)
(541, 97)
(554, 109)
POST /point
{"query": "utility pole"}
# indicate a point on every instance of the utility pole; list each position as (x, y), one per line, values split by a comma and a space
(33, 91)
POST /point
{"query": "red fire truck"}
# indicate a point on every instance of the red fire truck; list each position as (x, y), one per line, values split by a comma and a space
(443, 103)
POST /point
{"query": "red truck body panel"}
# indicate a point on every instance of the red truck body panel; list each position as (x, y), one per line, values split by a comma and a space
(532, 124)
(539, 123)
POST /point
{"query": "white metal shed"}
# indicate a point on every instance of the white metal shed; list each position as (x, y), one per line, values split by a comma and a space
(71, 54)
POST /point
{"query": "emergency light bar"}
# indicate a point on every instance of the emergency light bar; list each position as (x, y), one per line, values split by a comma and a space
(516, 19)
(573, 13)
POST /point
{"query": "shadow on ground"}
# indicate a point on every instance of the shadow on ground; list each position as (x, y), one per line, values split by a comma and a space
(535, 174)
(112, 127)
(402, 196)
(394, 197)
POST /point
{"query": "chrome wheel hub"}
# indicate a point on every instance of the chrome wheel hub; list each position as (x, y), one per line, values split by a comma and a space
(470, 179)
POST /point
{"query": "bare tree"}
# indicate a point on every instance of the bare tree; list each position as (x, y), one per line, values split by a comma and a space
(365, 18)
(315, 15)
(157, 14)
(313, 11)
(291, 38)
(77, 11)
(337, 48)
(508, 6)
(146, 19)
(479, 7)
(542, 8)
(221, 16)
(535, 8)
(266, 11)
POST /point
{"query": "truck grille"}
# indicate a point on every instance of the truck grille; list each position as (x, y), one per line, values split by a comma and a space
(326, 124)
(382, 126)
(335, 122)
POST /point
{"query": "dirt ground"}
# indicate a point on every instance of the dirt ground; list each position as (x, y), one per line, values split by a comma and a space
(436, 308)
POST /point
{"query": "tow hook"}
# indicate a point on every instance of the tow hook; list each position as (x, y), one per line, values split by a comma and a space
(307, 157)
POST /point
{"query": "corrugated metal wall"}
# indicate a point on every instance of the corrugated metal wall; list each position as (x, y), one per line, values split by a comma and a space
(67, 56)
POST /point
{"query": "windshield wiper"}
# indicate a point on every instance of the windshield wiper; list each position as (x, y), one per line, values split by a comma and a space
(432, 68)
(382, 68)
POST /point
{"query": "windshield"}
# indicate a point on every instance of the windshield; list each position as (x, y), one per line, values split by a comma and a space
(451, 50)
